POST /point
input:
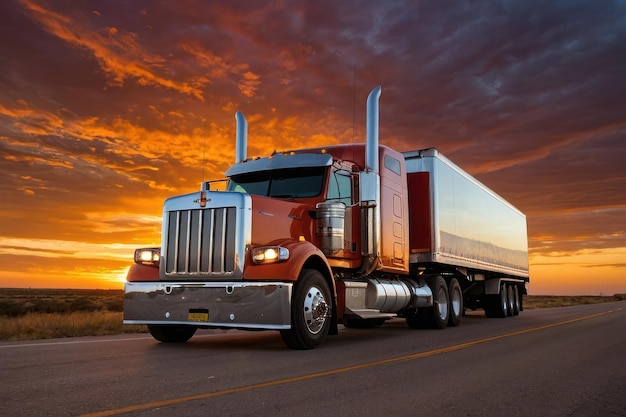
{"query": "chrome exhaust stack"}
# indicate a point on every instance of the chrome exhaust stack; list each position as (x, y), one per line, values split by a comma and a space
(372, 126)
(369, 189)
(241, 152)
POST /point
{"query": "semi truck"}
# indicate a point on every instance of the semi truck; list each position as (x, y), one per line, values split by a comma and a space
(306, 241)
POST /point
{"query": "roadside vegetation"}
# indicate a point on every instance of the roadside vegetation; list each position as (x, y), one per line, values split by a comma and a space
(30, 314)
(549, 301)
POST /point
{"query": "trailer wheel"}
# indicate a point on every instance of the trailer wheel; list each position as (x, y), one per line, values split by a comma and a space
(497, 305)
(172, 334)
(456, 302)
(310, 312)
(511, 299)
(516, 301)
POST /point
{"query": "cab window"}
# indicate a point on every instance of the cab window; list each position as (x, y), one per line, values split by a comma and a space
(340, 187)
(283, 183)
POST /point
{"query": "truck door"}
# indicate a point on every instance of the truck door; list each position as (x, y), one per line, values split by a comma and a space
(341, 188)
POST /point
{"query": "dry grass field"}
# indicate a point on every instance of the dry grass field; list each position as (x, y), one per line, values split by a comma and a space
(548, 301)
(30, 314)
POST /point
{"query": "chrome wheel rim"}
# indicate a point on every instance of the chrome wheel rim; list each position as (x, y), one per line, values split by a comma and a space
(316, 310)
(455, 302)
(442, 305)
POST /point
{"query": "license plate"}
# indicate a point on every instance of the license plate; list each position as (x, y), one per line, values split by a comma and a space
(198, 316)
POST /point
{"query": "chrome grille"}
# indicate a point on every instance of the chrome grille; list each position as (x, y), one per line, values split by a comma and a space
(201, 242)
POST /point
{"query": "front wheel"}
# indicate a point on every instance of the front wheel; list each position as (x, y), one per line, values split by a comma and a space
(310, 312)
(172, 334)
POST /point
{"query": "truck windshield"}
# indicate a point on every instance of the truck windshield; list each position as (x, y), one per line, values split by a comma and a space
(283, 183)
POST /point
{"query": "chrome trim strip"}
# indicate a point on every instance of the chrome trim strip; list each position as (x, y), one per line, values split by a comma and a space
(215, 325)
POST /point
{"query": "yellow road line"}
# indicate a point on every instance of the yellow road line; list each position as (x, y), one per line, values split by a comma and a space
(174, 401)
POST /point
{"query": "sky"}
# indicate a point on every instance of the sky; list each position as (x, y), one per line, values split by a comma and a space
(108, 108)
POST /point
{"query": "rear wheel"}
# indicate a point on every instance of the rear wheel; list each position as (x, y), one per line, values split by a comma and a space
(310, 312)
(510, 299)
(437, 316)
(516, 300)
(497, 305)
(172, 334)
(456, 302)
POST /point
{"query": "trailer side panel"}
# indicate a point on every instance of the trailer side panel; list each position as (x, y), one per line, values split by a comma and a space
(471, 226)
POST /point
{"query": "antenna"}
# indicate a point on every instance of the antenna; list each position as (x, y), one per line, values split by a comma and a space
(203, 150)
(353, 102)
(353, 107)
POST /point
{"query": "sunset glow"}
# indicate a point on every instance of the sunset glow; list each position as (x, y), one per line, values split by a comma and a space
(109, 108)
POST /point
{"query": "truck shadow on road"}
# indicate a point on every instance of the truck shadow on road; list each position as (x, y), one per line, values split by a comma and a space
(267, 340)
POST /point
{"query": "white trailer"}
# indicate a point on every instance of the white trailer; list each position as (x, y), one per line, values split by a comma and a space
(458, 222)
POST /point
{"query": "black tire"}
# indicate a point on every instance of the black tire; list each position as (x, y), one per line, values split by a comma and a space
(511, 300)
(516, 300)
(441, 304)
(435, 317)
(455, 294)
(172, 334)
(497, 305)
(311, 312)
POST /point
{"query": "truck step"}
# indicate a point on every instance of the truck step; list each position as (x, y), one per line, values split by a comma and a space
(368, 313)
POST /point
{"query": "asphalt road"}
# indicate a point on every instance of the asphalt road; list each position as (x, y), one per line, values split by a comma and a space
(567, 361)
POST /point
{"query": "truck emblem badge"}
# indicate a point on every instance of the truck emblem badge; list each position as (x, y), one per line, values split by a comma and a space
(202, 200)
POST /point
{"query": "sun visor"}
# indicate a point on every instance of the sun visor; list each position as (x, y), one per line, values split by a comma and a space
(280, 161)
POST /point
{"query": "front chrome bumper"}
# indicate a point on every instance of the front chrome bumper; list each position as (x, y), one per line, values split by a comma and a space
(245, 305)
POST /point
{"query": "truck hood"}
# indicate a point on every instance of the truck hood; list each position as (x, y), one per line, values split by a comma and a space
(275, 221)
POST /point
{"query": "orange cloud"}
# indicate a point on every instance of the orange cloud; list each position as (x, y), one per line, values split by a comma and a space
(219, 68)
(119, 53)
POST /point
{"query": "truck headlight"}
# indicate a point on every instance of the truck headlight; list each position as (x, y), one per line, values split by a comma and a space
(268, 254)
(148, 256)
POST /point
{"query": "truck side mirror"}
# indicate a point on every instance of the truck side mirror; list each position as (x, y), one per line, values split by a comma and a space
(369, 183)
